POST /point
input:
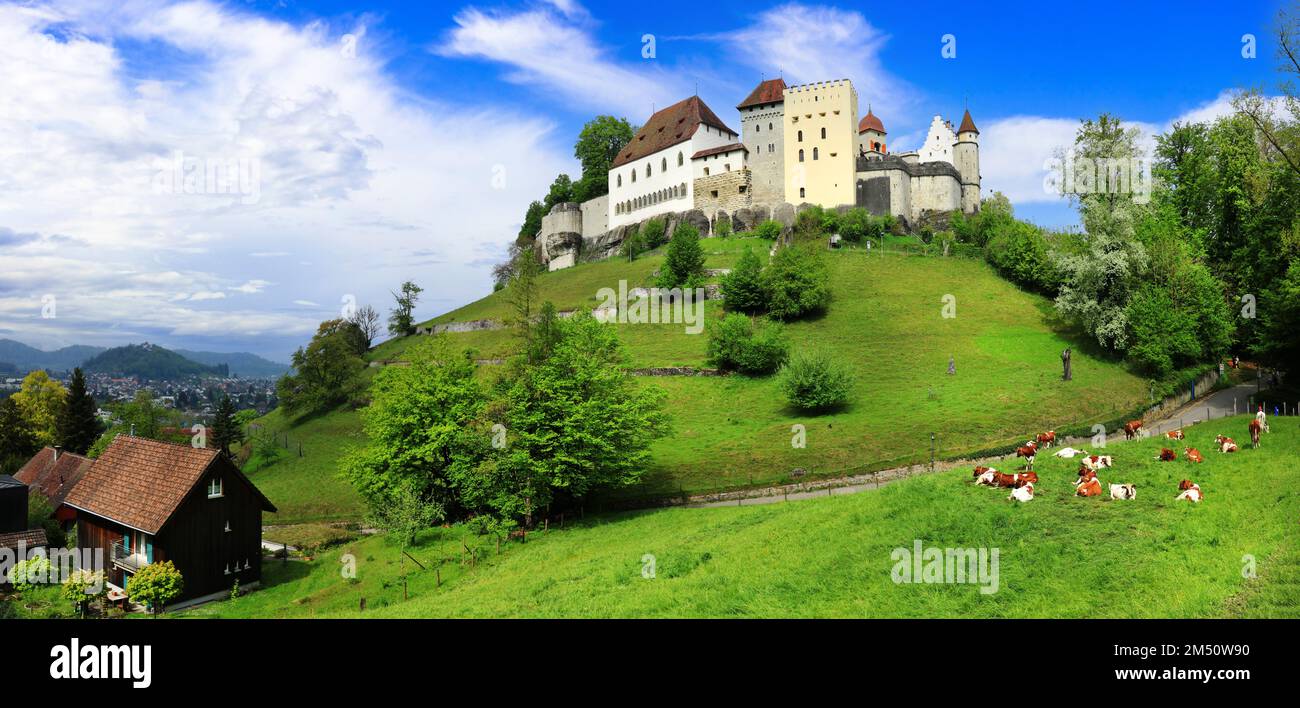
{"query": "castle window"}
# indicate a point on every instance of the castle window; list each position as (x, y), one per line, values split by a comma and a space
(620, 180)
(758, 129)
(801, 155)
(801, 136)
(664, 167)
(814, 153)
(742, 189)
(634, 174)
(769, 126)
(823, 133)
(760, 150)
(679, 159)
(647, 170)
(706, 172)
(801, 193)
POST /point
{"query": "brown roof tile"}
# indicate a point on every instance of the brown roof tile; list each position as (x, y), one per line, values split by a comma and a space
(140, 483)
(720, 149)
(34, 538)
(967, 124)
(770, 91)
(671, 126)
(53, 478)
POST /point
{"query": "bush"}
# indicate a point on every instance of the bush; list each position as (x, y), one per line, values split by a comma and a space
(769, 230)
(27, 575)
(742, 288)
(653, 234)
(722, 228)
(633, 245)
(816, 221)
(684, 264)
(737, 343)
(155, 585)
(797, 283)
(856, 224)
(816, 382)
(1019, 251)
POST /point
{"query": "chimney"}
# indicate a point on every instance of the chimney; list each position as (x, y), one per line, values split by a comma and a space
(57, 449)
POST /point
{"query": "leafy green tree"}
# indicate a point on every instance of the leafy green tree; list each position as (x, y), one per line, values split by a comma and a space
(325, 374)
(684, 264)
(401, 320)
(1020, 252)
(598, 145)
(653, 234)
(41, 400)
(797, 282)
(40, 515)
(816, 382)
(738, 343)
(769, 230)
(78, 426)
(225, 431)
(27, 575)
(742, 288)
(521, 294)
(82, 587)
(142, 417)
(17, 439)
(532, 224)
(417, 426)
(155, 585)
(1279, 314)
(561, 191)
(405, 511)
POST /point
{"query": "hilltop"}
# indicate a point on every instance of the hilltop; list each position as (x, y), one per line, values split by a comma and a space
(25, 358)
(150, 362)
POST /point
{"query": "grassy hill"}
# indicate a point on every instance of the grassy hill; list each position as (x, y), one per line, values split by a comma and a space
(149, 361)
(1060, 556)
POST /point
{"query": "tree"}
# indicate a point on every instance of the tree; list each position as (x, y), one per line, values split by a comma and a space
(418, 426)
(400, 322)
(1282, 137)
(142, 417)
(366, 320)
(41, 400)
(155, 585)
(742, 288)
(740, 344)
(405, 512)
(561, 191)
(599, 143)
(17, 439)
(816, 382)
(225, 431)
(684, 264)
(78, 426)
(532, 224)
(326, 373)
(521, 294)
(797, 282)
(82, 586)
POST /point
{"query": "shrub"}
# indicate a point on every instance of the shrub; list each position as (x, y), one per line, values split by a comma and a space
(737, 343)
(26, 575)
(816, 221)
(856, 224)
(633, 245)
(742, 288)
(797, 283)
(653, 234)
(722, 228)
(155, 585)
(1020, 253)
(769, 230)
(816, 382)
(684, 265)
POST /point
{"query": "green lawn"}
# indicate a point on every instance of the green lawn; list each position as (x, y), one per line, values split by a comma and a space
(1059, 555)
(308, 488)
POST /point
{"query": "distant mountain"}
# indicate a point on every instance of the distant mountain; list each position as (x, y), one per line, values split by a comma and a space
(26, 358)
(149, 361)
(249, 366)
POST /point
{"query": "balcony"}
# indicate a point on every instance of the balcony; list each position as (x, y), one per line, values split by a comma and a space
(127, 560)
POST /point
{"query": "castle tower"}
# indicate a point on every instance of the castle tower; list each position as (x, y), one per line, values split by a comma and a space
(966, 158)
(871, 135)
(762, 119)
(821, 143)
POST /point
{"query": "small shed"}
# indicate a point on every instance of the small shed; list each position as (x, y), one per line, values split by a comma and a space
(13, 505)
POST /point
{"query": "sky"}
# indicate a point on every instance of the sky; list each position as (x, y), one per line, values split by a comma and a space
(224, 176)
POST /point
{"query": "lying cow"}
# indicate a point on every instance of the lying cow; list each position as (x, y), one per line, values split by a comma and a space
(1123, 491)
(1255, 427)
(1226, 444)
(985, 475)
(1167, 455)
(1190, 492)
(1131, 429)
(1174, 435)
(1193, 455)
(1023, 493)
(1047, 439)
(1096, 462)
(1014, 480)
(1068, 453)
(1088, 488)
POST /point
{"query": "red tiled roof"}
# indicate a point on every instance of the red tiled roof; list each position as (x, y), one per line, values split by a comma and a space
(53, 478)
(140, 483)
(34, 538)
(871, 122)
(719, 150)
(770, 91)
(967, 125)
(671, 126)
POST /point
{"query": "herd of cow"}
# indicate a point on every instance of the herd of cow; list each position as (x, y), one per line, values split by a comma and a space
(1022, 483)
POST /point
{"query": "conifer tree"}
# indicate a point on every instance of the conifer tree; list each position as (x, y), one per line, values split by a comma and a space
(78, 427)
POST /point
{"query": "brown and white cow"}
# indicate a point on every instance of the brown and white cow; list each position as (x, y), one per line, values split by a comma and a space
(1028, 451)
(1014, 480)
(1255, 427)
(1123, 491)
(1131, 429)
(1023, 493)
(1191, 492)
(1174, 435)
(985, 475)
(1193, 455)
(1226, 444)
(1096, 462)
(1046, 439)
(1088, 488)
(1167, 455)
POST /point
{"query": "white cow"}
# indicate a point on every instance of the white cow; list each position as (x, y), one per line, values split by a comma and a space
(1024, 493)
(1123, 491)
(1069, 453)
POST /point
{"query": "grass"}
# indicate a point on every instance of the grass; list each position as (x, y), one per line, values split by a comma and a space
(308, 488)
(1059, 555)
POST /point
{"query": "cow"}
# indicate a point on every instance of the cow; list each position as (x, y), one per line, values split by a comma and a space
(985, 475)
(1068, 453)
(1014, 480)
(1088, 488)
(1254, 433)
(1131, 429)
(1191, 492)
(1226, 444)
(1028, 452)
(1174, 435)
(1023, 493)
(1123, 491)
(1096, 462)
(1047, 439)
(1193, 455)
(1085, 474)
(1167, 455)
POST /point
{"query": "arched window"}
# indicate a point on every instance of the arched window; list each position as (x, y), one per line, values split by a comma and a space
(683, 189)
(801, 193)
(814, 153)
(620, 180)
(633, 175)
(769, 126)
(759, 149)
(801, 155)
(801, 136)
(823, 133)
(647, 170)
(680, 160)
(664, 166)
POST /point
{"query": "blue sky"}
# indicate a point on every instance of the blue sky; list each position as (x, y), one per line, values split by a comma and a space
(404, 140)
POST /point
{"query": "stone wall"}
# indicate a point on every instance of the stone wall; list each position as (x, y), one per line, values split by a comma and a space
(595, 217)
(725, 192)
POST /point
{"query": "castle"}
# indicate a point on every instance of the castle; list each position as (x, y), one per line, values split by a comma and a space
(801, 145)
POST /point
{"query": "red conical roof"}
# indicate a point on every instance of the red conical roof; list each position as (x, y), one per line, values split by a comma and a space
(871, 122)
(967, 125)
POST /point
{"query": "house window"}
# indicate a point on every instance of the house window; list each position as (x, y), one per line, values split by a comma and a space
(758, 129)
(769, 126)
(680, 160)
(214, 488)
(706, 172)
(742, 189)
(634, 175)
(664, 167)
